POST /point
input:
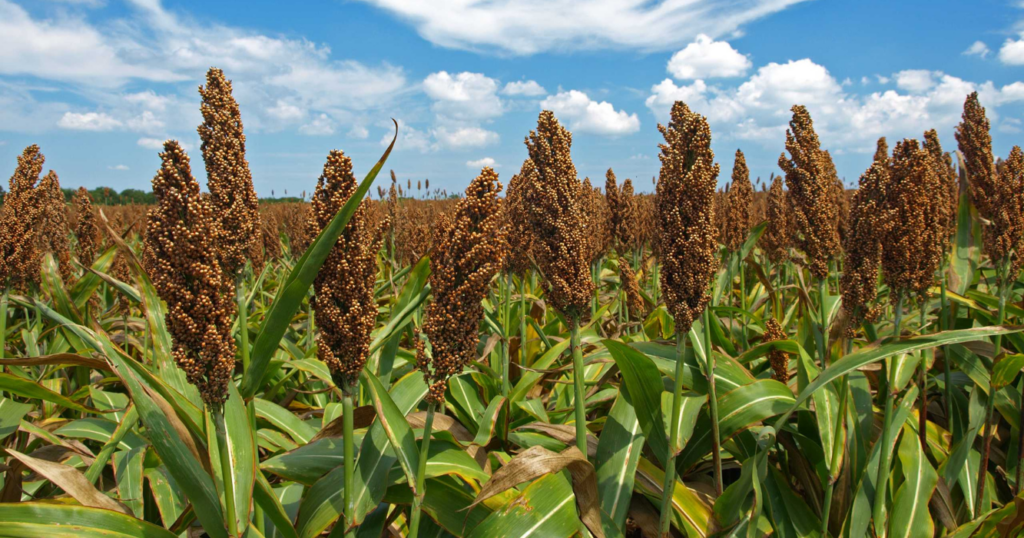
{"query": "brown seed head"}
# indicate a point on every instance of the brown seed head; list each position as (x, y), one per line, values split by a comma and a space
(740, 197)
(469, 253)
(634, 301)
(811, 177)
(19, 259)
(912, 246)
(685, 214)
(181, 258)
(346, 310)
(556, 202)
(881, 151)
(942, 162)
(232, 195)
(86, 230)
(775, 239)
(869, 222)
(515, 218)
(778, 359)
(52, 227)
(599, 224)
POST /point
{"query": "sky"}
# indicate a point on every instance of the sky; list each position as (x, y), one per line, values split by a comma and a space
(99, 84)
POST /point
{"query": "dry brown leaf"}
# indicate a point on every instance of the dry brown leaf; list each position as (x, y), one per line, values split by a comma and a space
(71, 480)
(362, 417)
(563, 433)
(538, 461)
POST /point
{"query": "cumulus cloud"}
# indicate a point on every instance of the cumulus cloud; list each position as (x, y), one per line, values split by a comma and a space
(978, 48)
(707, 58)
(1012, 52)
(526, 88)
(118, 167)
(88, 121)
(322, 125)
(588, 116)
(464, 96)
(358, 131)
(915, 80)
(507, 26)
(465, 137)
(758, 108)
(150, 143)
(480, 163)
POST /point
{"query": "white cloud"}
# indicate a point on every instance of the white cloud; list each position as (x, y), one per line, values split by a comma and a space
(527, 88)
(358, 131)
(881, 79)
(1012, 52)
(278, 81)
(588, 116)
(150, 143)
(480, 163)
(409, 138)
(88, 121)
(978, 48)
(322, 125)
(465, 137)
(707, 58)
(464, 96)
(119, 167)
(915, 80)
(509, 26)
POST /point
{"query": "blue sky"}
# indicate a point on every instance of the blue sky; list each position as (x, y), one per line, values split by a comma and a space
(99, 83)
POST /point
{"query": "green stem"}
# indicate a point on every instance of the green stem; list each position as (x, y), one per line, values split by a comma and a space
(942, 327)
(522, 320)
(350, 463)
(506, 300)
(243, 325)
(421, 473)
(743, 304)
(578, 374)
(716, 439)
(3, 323)
(922, 381)
(95, 470)
(822, 334)
(844, 390)
(670, 466)
(225, 468)
(885, 455)
(1004, 285)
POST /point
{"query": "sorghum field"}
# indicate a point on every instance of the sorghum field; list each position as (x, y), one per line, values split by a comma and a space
(538, 356)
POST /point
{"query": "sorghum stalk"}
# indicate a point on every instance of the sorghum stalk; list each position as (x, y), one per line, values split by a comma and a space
(348, 430)
(243, 324)
(670, 467)
(1004, 287)
(716, 438)
(225, 466)
(421, 473)
(578, 380)
(506, 303)
(882, 479)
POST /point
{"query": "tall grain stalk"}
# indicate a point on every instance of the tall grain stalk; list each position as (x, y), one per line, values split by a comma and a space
(557, 200)
(181, 258)
(343, 297)
(811, 178)
(998, 196)
(685, 237)
(470, 250)
(885, 455)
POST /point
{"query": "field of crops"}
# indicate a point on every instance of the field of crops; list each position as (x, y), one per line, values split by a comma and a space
(537, 356)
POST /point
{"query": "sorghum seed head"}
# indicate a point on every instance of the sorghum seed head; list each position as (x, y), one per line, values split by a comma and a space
(556, 200)
(19, 259)
(346, 310)
(775, 239)
(869, 222)
(228, 178)
(52, 224)
(86, 230)
(634, 301)
(778, 359)
(468, 254)
(811, 177)
(685, 231)
(942, 162)
(181, 258)
(515, 216)
(740, 197)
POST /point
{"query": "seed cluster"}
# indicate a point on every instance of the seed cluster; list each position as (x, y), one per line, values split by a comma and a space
(556, 200)
(599, 222)
(86, 230)
(881, 151)
(913, 244)
(778, 359)
(346, 310)
(624, 212)
(811, 178)
(51, 224)
(181, 258)
(469, 253)
(869, 223)
(515, 219)
(942, 163)
(19, 259)
(232, 196)
(634, 301)
(740, 198)
(685, 234)
(775, 239)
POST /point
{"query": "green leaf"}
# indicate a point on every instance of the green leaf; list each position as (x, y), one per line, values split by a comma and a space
(11, 413)
(293, 290)
(546, 508)
(241, 454)
(37, 519)
(169, 500)
(643, 385)
(284, 420)
(128, 472)
(392, 419)
(618, 452)
(910, 516)
(30, 389)
(273, 509)
(1006, 370)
